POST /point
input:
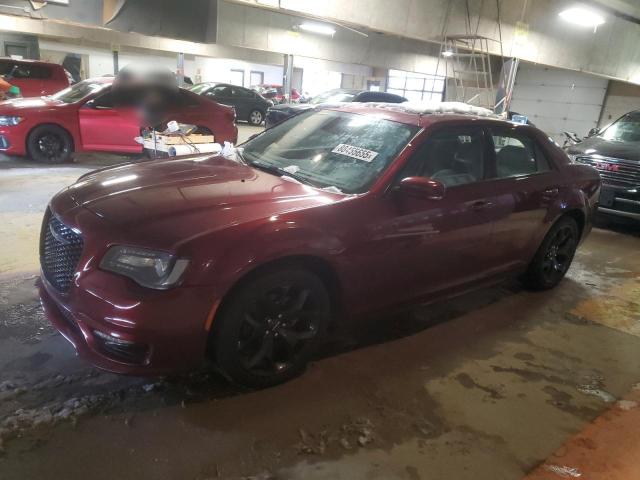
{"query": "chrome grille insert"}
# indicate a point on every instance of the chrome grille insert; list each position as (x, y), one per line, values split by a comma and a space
(60, 250)
(615, 171)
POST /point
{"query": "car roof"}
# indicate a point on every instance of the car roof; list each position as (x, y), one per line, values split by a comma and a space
(421, 113)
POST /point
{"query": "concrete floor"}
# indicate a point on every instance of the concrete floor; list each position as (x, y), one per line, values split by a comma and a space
(485, 386)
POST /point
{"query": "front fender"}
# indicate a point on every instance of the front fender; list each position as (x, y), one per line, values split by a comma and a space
(269, 241)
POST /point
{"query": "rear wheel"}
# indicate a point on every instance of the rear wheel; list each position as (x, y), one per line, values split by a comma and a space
(554, 256)
(50, 144)
(270, 327)
(256, 117)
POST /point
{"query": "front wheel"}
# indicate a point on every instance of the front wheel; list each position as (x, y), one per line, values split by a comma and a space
(256, 117)
(50, 144)
(554, 257)
(270, 327)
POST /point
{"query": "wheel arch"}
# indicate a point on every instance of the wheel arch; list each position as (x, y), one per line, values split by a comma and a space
(579, 216)
(49, 124)
(315, 264)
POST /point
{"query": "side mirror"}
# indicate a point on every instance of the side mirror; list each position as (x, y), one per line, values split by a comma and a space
(423, 187)
(90, 104)
(593, 132)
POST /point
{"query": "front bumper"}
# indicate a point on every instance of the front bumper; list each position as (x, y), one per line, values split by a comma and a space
(12, 140)
(115, 323)
(153, 335)
(619, 201)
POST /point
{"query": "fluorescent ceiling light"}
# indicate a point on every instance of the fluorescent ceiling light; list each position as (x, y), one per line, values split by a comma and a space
(447, 53)
(318, 28)
(585, 17)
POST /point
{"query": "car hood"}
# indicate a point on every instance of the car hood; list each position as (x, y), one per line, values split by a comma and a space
(21, 104)
(607, 148)
(198, 193)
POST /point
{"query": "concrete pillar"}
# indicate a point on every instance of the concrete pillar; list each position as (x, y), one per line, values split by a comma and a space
(116, 67)
(287, 76)
(180, 70)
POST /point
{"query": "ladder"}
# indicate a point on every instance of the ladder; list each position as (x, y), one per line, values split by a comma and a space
(468, 69)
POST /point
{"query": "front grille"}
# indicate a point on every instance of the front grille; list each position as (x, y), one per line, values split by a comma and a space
(60, 249)
(615, 171)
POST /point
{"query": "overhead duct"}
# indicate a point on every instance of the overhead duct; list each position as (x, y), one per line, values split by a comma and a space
(194, 21)
(619, 8)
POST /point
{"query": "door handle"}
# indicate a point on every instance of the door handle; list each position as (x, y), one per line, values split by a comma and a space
(552, 191)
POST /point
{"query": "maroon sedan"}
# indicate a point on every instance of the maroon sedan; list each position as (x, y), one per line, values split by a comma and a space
(149, 268)
(83, 118)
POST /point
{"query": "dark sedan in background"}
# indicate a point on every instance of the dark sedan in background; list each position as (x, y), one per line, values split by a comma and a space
(250, 106)
(280, 113)
(615, 152)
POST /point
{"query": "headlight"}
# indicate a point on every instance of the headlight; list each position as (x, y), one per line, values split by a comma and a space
(9, 121)
(149, 268)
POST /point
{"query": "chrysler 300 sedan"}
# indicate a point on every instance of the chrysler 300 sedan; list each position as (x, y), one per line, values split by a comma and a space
(149, 268)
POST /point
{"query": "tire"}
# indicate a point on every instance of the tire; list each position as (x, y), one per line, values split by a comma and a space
(256, 117)
(270, 327)
(50, 144)
(554, 257)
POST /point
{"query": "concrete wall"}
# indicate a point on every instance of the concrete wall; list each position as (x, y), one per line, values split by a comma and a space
(98, 61)
(259, 29)
(621, 98)
(610, 51)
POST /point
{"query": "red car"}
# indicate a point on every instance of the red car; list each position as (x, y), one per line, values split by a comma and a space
(82, 118)
(33, 77)
(151, 267)
(275, 93)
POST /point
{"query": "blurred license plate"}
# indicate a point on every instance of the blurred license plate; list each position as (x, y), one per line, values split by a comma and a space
(606, 198)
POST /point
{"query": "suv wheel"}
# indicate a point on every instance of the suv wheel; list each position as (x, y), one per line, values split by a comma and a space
(50, 144)
(270, 327)
(256, 117)
(554, 256)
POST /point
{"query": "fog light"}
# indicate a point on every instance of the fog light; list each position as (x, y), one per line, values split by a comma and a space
(110, 339)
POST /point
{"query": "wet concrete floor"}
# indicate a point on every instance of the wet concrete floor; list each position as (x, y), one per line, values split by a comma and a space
(485, 386)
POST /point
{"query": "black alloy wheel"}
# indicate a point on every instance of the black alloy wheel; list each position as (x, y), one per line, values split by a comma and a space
(554, 256)
(50, 144)
(270, 327)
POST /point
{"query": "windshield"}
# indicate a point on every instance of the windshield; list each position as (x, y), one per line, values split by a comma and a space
(626, 129)
(345, 152)
(78, 91)
(201, 87)
(333, 96)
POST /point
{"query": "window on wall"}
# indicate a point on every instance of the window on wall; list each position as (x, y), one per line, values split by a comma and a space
(257, 78)
(237, 77)
(416, 86)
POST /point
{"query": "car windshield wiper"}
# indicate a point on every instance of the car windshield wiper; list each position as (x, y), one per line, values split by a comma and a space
(280, 172)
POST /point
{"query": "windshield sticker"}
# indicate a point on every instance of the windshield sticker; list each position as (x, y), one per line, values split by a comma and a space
(355, 152)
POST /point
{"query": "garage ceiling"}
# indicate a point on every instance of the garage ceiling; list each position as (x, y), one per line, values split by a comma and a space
(609, 51)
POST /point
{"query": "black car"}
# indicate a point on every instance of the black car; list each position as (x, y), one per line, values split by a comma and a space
(281, 112)
(249, 105)
(615, 152)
